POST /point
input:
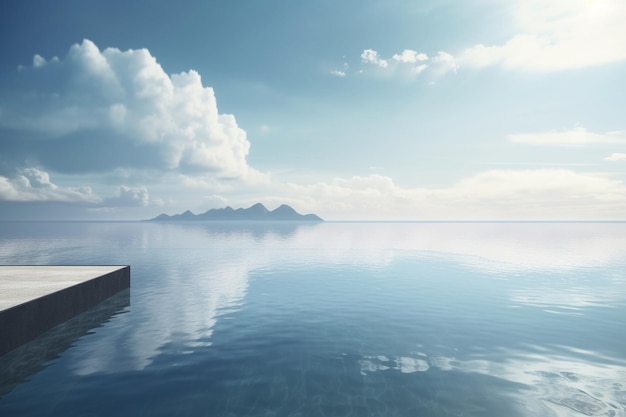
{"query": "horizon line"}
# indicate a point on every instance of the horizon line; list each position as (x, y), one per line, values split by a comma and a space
(305, 222)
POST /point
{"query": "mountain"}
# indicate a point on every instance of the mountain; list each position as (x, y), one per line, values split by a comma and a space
(257, 212)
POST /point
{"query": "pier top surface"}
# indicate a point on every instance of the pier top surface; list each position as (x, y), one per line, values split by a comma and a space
(21, 284)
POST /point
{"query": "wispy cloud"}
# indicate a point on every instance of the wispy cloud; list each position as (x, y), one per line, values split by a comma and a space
(409, 63)
(577, 136)
(616, 157)
(341, 72)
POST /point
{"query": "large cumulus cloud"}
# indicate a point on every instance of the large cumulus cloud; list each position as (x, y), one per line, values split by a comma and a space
(98, 110)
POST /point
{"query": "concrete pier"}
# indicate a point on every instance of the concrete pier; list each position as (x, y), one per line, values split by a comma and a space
(33, 299)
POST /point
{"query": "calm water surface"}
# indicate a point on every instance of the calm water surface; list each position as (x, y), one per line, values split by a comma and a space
(332, 319)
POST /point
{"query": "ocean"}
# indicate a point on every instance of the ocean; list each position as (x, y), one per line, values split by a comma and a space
(330, 319)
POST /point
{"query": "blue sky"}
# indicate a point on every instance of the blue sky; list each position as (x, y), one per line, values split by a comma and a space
(394, 110)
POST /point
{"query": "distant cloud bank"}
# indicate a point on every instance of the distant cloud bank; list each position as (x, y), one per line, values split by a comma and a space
(616, 157)
(34, 185)
(577, 136)
(534, 194)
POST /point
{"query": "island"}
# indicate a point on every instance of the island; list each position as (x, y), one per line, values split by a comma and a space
(257, 212)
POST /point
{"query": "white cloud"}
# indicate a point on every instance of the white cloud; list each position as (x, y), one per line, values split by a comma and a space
(341, 72)
(408, 56)
(37, 178)
(444, 62)
(100, 110)
(338, 73)
(410, 63)
(572, 137)
(129, 197)
(420, 68)
(616, 157)
(38, 61)
(34, 185)
(371, 56)
(546, 194)
(549, 36)
(557, 35)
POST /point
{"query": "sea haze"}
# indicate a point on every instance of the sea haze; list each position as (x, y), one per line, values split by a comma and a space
(331, 319)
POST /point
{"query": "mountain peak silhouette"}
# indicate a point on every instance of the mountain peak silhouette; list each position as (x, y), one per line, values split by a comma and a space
(256, 212)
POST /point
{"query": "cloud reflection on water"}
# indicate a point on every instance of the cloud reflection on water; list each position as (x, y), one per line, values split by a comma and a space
(559, 382)
(507, 245)
(180, 314)
(186, 276)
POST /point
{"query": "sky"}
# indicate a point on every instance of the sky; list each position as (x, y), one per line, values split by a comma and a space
(353, 110)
